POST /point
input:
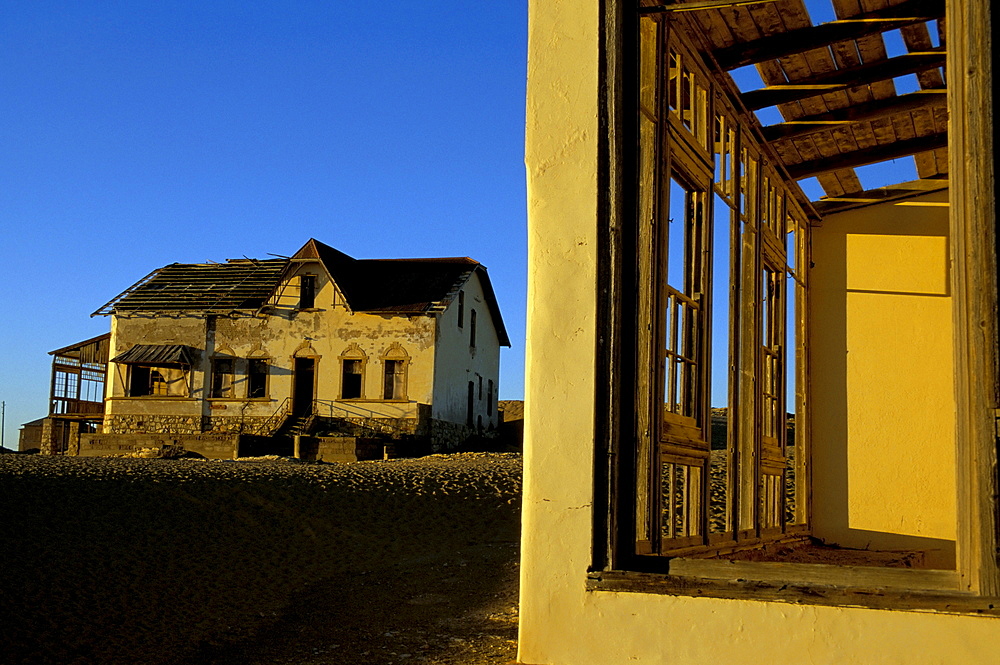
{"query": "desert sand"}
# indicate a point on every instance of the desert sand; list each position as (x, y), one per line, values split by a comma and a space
(252, 562)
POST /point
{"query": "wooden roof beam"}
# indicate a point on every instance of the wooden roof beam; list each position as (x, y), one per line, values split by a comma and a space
(844, 79)
(865, 156)
(789, 43)
(880, 108)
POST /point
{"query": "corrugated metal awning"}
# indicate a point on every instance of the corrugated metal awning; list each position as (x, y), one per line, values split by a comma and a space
(158, 355)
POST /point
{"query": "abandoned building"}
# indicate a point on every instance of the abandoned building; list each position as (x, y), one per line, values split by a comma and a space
(205, 357)
(76, 398)
(845, 343)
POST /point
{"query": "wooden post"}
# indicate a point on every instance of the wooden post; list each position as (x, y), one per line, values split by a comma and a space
(974, 288)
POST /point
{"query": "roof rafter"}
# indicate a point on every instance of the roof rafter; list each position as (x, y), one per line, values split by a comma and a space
(844, 79)
(865, 156)
(879, 108)
(791, 42)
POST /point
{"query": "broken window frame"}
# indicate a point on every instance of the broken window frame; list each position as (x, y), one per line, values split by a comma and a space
(678, 155)
(307, 291)
(976, 580)
(395, 373)
(258, 378)
(222, 378)
(353, 358)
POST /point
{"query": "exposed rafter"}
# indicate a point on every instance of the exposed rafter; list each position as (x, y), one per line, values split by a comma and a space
(880, 108)
(864, 156)
(844, 79)
(804, 39)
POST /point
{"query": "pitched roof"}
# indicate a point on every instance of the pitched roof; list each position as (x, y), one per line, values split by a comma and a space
(402, 286)
(393, 286)
(203, 287)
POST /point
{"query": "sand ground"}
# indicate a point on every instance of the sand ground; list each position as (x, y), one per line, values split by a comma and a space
(189, 562)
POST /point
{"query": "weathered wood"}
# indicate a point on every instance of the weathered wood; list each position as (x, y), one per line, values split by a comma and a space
(947, 602)
(882, 108)
(873, 577)
(974, 285)
(843, 79)
(796, 41)
(866, 156)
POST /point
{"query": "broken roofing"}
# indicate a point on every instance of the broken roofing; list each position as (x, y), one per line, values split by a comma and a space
(391, 286)
(241, 284)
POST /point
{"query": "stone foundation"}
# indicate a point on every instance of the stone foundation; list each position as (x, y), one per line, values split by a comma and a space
(152, 424)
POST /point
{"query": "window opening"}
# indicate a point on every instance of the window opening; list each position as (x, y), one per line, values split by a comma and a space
(350, 387)
(472, 328)
(461, 309)
(395, 379)
(223, 378)
(489, 398)
(257, 371)
(307, 291)
(713, 322)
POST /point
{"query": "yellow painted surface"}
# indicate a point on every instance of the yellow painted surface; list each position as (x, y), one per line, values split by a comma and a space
(325, 333)
(897, 435)
(883, 408)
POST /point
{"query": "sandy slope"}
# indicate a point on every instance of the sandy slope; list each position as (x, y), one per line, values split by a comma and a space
(155, 561)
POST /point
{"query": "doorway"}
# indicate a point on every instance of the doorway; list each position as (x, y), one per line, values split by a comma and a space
(303, 385)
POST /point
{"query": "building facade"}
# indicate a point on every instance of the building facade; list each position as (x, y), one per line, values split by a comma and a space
(321, 342)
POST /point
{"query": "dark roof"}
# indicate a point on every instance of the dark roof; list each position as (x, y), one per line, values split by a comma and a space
(402, 286)
(392, 286)
(158, 355)
(239, 284)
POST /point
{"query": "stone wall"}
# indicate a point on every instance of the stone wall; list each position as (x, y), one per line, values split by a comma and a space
(152, 424)
(212, 446)
(339, 448)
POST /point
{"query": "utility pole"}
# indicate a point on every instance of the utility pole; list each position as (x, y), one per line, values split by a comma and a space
(3, 417)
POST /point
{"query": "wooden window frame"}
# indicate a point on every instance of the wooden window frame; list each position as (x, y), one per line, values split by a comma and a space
(396, 354)
(352, 353)
(216, 388)
(266, 374)
(619, 419)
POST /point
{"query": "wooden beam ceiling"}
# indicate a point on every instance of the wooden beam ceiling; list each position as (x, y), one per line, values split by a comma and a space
(865, 156)
(798, 41)
(844, 79)
(880, 108)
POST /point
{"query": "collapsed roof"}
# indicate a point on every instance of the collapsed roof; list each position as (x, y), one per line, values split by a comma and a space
(835, 84)
(390, 286)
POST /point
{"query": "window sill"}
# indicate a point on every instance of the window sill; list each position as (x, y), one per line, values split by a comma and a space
(901, 589)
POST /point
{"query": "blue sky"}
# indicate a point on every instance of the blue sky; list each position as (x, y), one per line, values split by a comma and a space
(143, 133)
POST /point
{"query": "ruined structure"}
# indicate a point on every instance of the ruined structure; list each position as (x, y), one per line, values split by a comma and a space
(76, 398)
(205, 355)
(677, 267)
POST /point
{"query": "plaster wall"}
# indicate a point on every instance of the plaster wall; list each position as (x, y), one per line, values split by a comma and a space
(458, 362)
(280, 333)
(561, 623)
(882, 397)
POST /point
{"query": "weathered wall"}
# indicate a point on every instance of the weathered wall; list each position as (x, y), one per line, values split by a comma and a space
(561, 622)
(882, 398)
(324, 333)
(212, 446)
(458, 363)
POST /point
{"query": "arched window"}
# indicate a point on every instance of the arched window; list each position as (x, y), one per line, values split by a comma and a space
(395, 363)
(352, 372)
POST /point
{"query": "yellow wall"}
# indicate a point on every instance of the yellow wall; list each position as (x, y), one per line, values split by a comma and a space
(882, 395)
(561, 622)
